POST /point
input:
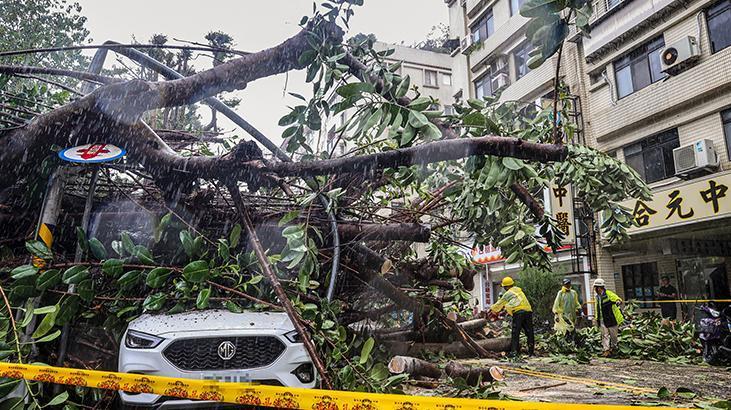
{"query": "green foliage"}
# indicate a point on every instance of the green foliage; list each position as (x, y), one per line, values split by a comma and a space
(540, 287)
(549, 25)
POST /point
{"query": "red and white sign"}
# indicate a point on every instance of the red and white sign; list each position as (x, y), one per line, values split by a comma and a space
(92, 153)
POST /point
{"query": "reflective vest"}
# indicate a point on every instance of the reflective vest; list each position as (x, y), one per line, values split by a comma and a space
(608, 297)
(513, 300)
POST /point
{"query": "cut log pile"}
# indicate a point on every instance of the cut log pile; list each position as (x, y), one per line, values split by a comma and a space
(418, 368)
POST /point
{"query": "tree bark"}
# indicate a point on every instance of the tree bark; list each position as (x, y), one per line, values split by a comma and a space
(384, 232)
(473, 375)
(278, 289)
(437, 151)
(414, 367)
(500, 344)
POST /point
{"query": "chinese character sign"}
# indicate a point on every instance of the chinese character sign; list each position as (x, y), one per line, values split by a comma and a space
(562, 209)
(702, 199)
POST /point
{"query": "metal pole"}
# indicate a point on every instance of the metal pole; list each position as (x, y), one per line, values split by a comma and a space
(63, 342)
(96, 65)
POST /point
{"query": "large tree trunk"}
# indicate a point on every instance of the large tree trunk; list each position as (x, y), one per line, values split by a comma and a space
(413, 366)
(500, 344)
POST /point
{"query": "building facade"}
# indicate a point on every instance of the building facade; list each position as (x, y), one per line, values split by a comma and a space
(653, 78)
(647, 114)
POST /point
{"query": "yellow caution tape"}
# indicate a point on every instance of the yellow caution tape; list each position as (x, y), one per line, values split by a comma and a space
(672, 301)
(268, 396)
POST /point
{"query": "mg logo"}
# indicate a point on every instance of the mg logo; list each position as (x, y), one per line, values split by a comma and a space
(226, 350)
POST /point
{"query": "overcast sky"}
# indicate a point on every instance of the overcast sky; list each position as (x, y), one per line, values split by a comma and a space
(255, 25)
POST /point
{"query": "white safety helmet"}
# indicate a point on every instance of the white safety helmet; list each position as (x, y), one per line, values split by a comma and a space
(599, 282)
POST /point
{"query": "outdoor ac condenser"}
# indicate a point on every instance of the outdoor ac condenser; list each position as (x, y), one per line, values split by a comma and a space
(679, 55)
(698, 157)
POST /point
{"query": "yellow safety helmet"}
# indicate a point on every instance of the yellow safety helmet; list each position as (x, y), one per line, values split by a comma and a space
(507, 281)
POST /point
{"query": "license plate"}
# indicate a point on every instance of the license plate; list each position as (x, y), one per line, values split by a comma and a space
(229, 377)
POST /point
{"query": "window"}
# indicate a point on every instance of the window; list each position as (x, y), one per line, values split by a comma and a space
(719, 25)
(640, 281)
(484, 28)
(449, 110)
(726, 119)
(639, 68)
(515, 7)
(446, 79)
(521, 59)
(652, 157)
(430, 78)
(483, 87)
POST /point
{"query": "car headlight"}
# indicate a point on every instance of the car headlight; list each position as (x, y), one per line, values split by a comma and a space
(139, 340)
(293, 337)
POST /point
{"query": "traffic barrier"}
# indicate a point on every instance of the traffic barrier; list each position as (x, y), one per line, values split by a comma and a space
(269, 396)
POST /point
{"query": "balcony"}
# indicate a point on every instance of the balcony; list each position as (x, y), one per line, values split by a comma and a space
(615, 20)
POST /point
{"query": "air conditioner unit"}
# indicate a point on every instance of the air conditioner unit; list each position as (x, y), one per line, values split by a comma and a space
(499, 81)
(679, 55)
(698, 157)
(467, 44)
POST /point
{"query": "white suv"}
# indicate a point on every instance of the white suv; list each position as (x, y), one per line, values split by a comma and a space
(214, 344)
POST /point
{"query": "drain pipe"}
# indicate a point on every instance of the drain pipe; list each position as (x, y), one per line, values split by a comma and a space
(171, 74)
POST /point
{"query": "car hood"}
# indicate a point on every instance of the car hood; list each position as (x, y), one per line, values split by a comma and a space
(210, 320)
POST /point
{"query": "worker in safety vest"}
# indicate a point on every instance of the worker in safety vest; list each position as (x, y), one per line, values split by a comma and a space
(608, 316)
(516, 304)
(566, 308)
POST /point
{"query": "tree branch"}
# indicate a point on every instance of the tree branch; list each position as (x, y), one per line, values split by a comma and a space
(532, 203)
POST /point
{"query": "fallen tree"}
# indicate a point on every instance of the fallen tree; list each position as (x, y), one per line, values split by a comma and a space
(473, 171)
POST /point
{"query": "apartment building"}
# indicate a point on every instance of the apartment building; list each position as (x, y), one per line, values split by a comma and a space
(653, 86)
(492, 60)
(658, 96)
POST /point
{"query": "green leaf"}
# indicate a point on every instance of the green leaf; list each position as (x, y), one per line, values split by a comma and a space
(45, 309)
(407, 135)
(97, 249)
(49, 337)
(113, 267)
(353, 89)
(85, 289)
(432, 132)
(129, 278)
(127, 243)
(475, 118)
(420, 104)
(328, 324)
(75, 274)
(233, 307)
(187, 241)
(365, 351)
(476, 104)
(417, 119)
(538, 8)
(154, 302)
(196, 271)
(373, 120)
(23, 271)
(39, 249)
(58, 399)
(403, 87)
(512, 163)
(48, 279)
(143, 255)
(235, 236)
(157, 277)
(201, 301)
(81, 239)
(49, 320)
(255, 279)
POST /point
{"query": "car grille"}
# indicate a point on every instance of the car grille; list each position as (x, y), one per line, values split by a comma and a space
(202, 354)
